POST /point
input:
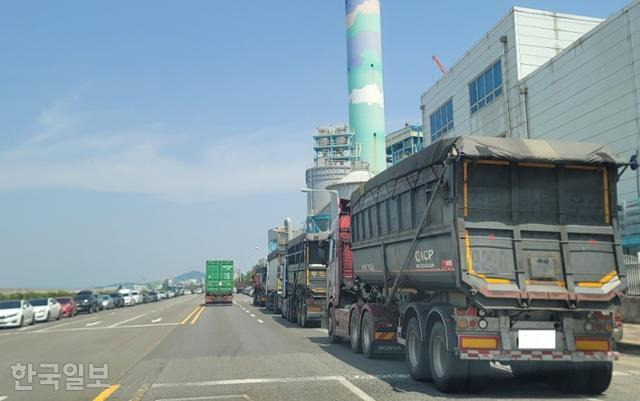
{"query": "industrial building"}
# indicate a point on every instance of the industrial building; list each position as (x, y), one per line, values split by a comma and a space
(539, 74)
(403, 143)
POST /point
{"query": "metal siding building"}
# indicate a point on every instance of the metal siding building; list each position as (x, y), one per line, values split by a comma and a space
(565, 77)
(532, 38)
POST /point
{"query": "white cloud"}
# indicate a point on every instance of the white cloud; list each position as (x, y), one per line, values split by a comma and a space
(67, 154)
(369, 94)
(366, 7)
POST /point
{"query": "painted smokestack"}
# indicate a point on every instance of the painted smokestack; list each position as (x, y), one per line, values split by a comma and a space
(366, 96)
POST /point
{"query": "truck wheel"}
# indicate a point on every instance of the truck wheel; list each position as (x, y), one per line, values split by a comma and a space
(331, 326)
(354, 337)
(367, 337)
(303, 315)
(527, 370)
(478, 376)
(449, 373)
(591, 378)
(601, 374)
(415, 352)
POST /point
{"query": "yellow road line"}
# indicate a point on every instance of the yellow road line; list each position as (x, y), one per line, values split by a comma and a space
(197, 316)
(107, 392)
(186, 319)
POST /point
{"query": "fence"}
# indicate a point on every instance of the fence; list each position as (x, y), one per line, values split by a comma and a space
(633, 274)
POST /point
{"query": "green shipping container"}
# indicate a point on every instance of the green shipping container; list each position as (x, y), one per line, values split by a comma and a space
(219, 277)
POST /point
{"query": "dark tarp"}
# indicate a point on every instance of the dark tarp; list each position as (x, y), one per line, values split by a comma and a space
(492, 148)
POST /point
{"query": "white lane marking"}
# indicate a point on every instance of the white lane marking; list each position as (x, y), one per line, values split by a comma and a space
(356, 390)
(634, 372)
(4, 397)
(211, 397)
(252, 315)
(156, 320)
(260, 321)
(247, 311)
(246, 381)
(128, 320)
(94, 323)
(281, 380)
(325, 331)
(131, 326)
(154, 311)
(616, 373)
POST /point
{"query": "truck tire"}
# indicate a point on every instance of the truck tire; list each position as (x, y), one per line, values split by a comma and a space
(590, 378)
(415, 352)
(478, 374)
(354, 333)
(449, 373)
(601, 375)
(367, 337)
(331, 326)
(528, 370)
(303, 315)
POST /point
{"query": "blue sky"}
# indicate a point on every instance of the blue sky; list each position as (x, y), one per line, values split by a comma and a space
(138, 139)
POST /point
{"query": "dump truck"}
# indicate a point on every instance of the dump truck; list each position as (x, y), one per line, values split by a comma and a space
(276, 247)
(305, 274)
(481, 249)
(260, 282)
(218, 281)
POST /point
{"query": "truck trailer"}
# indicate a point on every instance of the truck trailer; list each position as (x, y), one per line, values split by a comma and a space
(218, 281)
(481, 249)
(276, 248)
(260, 283)
(305, 277)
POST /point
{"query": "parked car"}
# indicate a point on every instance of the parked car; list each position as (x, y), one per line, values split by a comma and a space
(68, 307)
(145, 297)
(118, 301)
(187, 292)
(126, 297)
(137, 296)
(162, 295)
(45, 309)
(199, 291)
(15, 313)
(153, 296)
(171, 294)
(106, 302)
(87, 303)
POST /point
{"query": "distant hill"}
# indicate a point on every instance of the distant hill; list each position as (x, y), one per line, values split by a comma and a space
(192, 275)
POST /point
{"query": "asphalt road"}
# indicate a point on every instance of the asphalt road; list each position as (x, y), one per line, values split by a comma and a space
(177, 350)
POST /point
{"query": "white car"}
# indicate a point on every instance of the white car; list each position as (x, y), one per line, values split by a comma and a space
(137, 297)
(16, 313)
(127, 298)
(187, 292)
(45, 309)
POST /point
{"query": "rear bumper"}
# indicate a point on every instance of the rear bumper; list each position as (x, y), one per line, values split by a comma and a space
(507, 356)
(218, 299)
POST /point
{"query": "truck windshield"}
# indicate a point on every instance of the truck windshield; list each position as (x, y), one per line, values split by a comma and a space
(318, 252)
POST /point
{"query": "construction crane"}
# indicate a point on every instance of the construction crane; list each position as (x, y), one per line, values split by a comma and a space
(438, 64)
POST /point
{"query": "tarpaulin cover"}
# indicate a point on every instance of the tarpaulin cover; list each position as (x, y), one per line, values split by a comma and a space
(492, 148)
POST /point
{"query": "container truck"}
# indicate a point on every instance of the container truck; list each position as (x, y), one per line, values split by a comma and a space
(260, 283)
(305, 277)
(277, 245)
(218, 281)
(481, 249)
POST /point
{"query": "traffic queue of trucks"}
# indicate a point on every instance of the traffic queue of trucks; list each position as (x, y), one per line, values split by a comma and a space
(474, 250)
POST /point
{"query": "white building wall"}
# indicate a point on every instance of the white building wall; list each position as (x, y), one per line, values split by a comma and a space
(533, 37)
(589, 92)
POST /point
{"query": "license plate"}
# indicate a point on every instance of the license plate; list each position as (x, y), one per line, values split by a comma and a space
(536, 339)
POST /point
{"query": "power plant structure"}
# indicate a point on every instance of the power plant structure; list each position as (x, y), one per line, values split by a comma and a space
(346, 156)
(366, 94)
